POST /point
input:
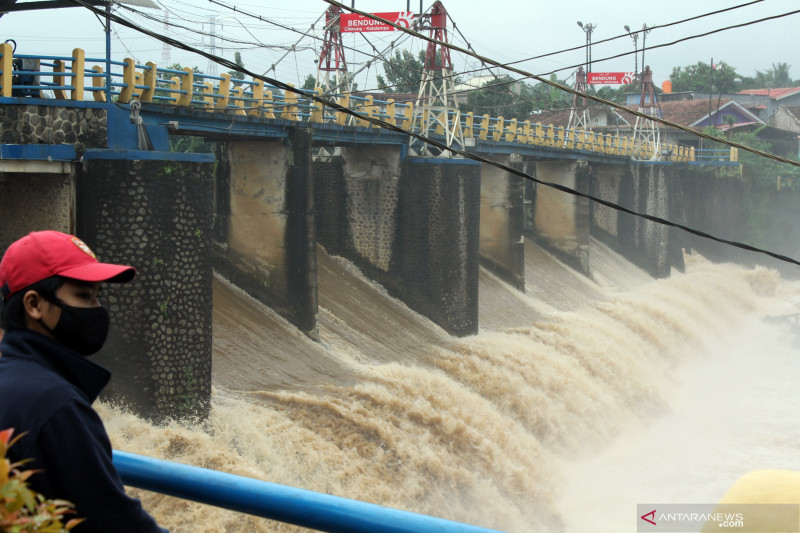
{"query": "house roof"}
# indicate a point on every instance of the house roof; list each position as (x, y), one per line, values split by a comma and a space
(775, 94)
(794, 110)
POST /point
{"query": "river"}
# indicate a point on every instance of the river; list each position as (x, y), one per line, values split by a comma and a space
(576, 400)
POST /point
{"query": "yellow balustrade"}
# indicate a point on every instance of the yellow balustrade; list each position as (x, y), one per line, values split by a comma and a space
(174, 87)
(550, 135)
(511, 130)
(59, 66)
(408, 116)
(258, 98)
(317, 113)
(344, 101)
(484, 132)
(238, 92)
(150, 75)
(187, 85)
(224, 91)
(268, 103)
(128, 78)
(469, 120)
(691, 154)
(7, 65)
(390, 112)
(97, 83)
(734, 154)
(208, 95)
(290, 101)
(78, 62)
(499, 125)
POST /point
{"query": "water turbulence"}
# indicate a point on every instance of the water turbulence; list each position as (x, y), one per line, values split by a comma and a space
(492, 430)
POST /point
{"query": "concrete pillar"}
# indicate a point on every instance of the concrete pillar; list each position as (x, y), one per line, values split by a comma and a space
(561, 220)
(435, 264)
(502, 245)
(605, 184)
(153, 210)
(265, 202)
(33, 202)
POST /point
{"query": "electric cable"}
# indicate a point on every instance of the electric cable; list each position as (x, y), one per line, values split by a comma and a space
(433, 142)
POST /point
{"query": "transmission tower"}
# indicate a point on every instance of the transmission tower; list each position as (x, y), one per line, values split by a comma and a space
(646, 134)
(579, 112)
(211, 69)
(165, 51)
(331, 57)
(436, 105)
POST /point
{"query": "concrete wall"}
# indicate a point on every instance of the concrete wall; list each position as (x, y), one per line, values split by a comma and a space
(266, 228)
(502, 245)
(34, 202)
(561, 220)
(436, 263)
(605, 184)
(156, 215)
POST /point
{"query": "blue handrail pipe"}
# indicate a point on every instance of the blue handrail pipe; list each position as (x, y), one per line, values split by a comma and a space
(300, 507)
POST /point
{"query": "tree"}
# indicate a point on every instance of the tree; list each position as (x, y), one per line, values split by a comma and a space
(403, 72)
(310, 83)
(235, 74)
(547, 97)
(501, 97)
(701, 77)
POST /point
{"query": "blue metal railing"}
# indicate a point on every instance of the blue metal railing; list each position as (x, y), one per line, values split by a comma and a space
(278, 502)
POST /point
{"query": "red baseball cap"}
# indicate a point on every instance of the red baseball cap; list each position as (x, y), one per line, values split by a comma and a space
(42, 254)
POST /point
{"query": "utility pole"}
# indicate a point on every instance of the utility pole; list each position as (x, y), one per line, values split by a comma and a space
(635, 37)
(645, 31)
(588, 28)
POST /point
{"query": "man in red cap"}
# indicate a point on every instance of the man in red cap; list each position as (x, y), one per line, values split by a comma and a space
(49, 286)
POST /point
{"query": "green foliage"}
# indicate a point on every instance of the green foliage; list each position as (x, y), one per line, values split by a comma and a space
(701, 78)
(21, 509)
(310, 83)
(775, 76)
(501, 97)
(189, 144)
(235, 74)
(403, 72)
(546, 97)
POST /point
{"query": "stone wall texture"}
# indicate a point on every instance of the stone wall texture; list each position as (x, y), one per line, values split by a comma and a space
(156, 216)
(606, 186)
(40, 124)
(33, 202)
(435, 264)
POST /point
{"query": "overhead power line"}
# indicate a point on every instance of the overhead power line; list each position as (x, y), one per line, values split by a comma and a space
(372, 120)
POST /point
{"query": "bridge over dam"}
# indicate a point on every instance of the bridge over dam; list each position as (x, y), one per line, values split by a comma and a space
(289, 174)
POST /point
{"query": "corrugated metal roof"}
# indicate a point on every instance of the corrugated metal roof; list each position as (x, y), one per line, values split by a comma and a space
(775, 94)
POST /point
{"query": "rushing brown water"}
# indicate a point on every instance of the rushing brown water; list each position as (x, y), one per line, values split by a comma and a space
(500, 429)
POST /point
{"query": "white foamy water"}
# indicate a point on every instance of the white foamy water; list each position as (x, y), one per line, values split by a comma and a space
(528, 427)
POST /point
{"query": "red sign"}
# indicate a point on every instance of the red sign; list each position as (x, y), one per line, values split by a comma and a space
(352, 22)
(609, 78)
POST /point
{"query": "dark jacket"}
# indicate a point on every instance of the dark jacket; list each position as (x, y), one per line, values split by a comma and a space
(46, 391)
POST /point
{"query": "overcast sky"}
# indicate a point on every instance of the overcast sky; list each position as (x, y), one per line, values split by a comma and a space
(505, 30)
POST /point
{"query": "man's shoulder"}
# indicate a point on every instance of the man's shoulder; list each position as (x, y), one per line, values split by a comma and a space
(32, 390)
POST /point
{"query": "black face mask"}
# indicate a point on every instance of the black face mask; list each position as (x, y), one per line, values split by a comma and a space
(81, 329)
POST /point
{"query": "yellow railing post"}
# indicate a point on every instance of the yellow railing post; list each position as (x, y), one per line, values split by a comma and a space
(150, 76)
(129, 79)
(258, 98)
(408, 116)
(224, 91)
(187, 85)
(174, 87)
(390, 112)
(7, 65)
(138, 79)
(469, 123)
(499, 126)
(570, 139)
(511, 130)
(539, 135)
(344, 101)
(484, 132)
(269, 105)
(734, 154)
(78, 62)
(290, 101)
(97, 83)
(317, 111)
(59, 66)
(526, 130)
(208, 95)
(238, 92)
